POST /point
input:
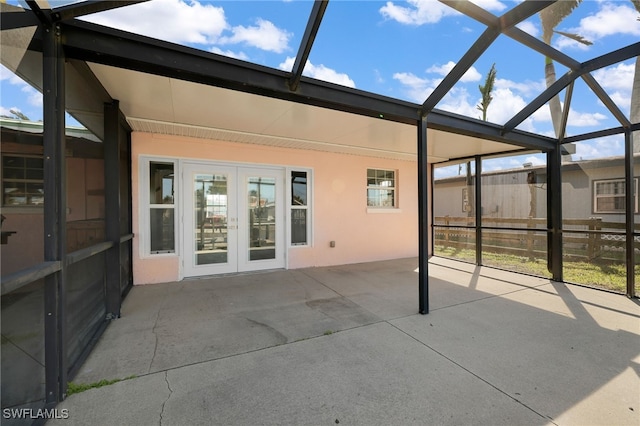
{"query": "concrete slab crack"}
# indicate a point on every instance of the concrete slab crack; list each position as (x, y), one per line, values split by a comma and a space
(166, 379)
(155, 348)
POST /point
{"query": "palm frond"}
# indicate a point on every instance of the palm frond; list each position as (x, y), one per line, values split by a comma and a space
(552, 15)
(575, 37)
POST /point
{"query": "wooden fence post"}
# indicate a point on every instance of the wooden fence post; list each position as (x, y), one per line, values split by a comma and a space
(446, 231)
(591, 237)
(530, 238)
(598, 237)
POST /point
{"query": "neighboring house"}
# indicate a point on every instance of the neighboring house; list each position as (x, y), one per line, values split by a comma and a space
(23, 192)
(590, 188)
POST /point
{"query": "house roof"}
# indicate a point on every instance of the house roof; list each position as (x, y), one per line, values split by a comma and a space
(171, 89)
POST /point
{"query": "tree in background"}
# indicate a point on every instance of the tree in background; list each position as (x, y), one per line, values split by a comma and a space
(550, 18)
(486, 92)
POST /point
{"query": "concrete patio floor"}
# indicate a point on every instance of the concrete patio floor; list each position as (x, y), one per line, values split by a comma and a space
(345, 345)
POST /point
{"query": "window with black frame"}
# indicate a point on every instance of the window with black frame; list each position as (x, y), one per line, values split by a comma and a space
(22, 180)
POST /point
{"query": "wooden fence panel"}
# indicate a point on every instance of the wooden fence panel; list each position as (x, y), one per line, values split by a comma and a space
(585, 239)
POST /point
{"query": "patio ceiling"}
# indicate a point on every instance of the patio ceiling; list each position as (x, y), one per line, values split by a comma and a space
(169, 106)
(176, 90)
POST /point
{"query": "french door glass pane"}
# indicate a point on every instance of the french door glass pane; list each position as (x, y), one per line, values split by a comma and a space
(261, 203)
(211, 213)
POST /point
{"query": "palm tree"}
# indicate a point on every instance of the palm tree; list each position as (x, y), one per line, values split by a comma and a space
(486, 91)
(550, 18)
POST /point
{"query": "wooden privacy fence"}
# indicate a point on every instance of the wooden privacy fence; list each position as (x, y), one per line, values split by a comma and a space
(590, 238)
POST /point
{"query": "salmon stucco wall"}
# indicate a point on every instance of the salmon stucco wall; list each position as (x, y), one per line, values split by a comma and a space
(339, 205)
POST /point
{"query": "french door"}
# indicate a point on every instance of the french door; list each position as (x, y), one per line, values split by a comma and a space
(232, 219)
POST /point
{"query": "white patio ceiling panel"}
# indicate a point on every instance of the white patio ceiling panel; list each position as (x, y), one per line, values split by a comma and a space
(169, 106)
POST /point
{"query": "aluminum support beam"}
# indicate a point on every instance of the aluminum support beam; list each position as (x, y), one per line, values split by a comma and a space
(599, 134)
(484, 17)
(315, 19)
(423, 219)
(54, 213)
(75, 10)
(554, 214)
(463, 65)
(519, 13)
(606, 100)
(13, 19)
(568, 96)
(478, 208)
(94, 43)
(630, 208)
(112, 207)
(455, 123)
(42, 15)
(608, 59)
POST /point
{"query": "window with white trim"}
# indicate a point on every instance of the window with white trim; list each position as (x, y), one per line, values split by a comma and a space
(609, 196)
(160, 207)
(300, 213)
(381, 188)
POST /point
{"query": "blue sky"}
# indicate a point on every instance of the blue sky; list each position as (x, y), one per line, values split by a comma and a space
(397, 49)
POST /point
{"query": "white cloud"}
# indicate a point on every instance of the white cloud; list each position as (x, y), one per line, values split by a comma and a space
(415, 88)
(529, 28)
(320, 72)
(506, 102)
(493, 5)
(584, 119)
(32, 96)
(379, 78)
(420, 12)
(193, 22)
(237, 55)
(611, 18)
(265, 35)
(609, 146)
(527, 88)
(504, 106)
(618, 82)
(7, 74)
(471, 75)
(535, 160)
(177, 21)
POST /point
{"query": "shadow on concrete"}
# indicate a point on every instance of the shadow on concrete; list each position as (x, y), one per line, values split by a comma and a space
(345, 345)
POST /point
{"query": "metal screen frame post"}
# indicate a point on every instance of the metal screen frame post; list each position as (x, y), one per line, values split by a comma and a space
(630, 207)
(54, 144)
(112, 207)
(554, 214)
(478, 208)
(423, 219)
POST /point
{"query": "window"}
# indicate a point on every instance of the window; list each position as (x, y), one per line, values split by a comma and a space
(609, 196)
(22, 181)
(381, 188)
(299, 208)
(161, 208)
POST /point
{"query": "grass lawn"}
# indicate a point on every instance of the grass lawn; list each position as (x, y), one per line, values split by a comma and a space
(607, 276)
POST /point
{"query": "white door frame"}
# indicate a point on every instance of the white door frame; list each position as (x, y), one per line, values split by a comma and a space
(236, 227)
